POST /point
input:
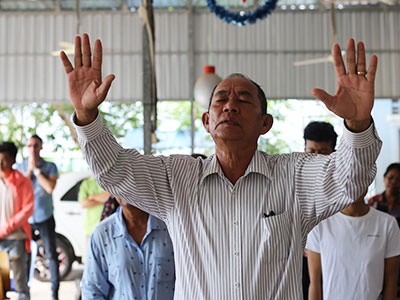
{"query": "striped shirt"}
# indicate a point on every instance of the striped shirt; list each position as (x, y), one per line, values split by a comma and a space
(241, 241)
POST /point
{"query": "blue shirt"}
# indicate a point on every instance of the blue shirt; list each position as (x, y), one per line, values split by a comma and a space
(118, 268)
(43, 201)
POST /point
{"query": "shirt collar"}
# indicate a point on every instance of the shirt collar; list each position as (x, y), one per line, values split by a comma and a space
(120, 227)
(258, 164)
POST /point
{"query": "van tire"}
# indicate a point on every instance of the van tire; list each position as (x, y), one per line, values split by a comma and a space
(66, 257)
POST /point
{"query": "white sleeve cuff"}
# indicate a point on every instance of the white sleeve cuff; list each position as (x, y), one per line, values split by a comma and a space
(89, 131)
(360, 139)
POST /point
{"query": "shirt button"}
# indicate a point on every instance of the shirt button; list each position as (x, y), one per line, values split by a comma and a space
(235, 222)
(236, 253)
(237, 284)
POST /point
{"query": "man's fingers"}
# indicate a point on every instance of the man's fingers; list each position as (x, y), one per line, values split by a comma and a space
(87, 55)
(97, 55)
(78, 52)
(372, 68)
(361, 58)
(338, 61)
(67, 64)
(351, 57)
(104, 87)
(327, 99)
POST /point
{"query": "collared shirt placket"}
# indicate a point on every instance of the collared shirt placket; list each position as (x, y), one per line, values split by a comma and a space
(236, 255)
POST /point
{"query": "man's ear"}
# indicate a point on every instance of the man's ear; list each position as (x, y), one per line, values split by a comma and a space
(205, 118)
(267, 124)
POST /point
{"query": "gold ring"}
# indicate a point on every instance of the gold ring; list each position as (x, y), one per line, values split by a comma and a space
(361, 73)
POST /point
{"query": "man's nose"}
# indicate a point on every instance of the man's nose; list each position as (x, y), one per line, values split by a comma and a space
(231, 105)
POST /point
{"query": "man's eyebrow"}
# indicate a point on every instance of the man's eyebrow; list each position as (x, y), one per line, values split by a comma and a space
(220, 92)
(241, 93)
(247, 93)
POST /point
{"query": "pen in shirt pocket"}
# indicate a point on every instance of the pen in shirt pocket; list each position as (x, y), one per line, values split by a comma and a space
(269, 214)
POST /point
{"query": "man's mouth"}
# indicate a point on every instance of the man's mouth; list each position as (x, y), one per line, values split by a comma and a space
(229, 122)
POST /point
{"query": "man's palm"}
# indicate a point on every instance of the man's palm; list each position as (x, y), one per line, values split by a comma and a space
(86, 88)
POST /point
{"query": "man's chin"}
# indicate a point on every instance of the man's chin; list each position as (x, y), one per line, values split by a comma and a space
(228, 137)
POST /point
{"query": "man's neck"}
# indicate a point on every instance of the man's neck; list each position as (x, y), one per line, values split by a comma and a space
(136, 223)
(357, 209)
(234, 163)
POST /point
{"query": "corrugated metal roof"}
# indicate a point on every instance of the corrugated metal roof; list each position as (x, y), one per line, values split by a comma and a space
(265, 51)
(37, 5)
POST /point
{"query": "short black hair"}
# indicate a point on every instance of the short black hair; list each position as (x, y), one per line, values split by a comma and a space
(320, 132)
(395, 166)
(10, 148)
(35, 136)
(261, 94)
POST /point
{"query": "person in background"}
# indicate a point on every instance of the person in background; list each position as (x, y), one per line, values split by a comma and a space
(43, 175)
(354, 255)
(130, 256)
(319, 138)
(389, 200)
(110, 207)
(92, 198)
(16, 206)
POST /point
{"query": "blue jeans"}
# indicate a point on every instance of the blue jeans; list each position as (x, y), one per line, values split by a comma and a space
(19, 265)
(48, 236)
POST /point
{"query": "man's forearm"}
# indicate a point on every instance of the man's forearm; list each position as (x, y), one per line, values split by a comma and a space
(86, 203)
(315, 292)
(85, 117)
(48, 184)
(101, 197)
(358, 126)
(390, 278)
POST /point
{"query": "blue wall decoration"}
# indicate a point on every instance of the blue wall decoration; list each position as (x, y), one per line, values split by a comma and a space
(242, 18)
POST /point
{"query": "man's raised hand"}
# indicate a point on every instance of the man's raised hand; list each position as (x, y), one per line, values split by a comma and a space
(355, 94)
(86, 88)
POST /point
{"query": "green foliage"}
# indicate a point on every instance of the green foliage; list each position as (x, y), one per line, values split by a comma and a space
(19, 122)
(270, 142)
(179, 111)
(121, 117)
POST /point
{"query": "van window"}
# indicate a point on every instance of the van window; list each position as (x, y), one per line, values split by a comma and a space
(72, 194)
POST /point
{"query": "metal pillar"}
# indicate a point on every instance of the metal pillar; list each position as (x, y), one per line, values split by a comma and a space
(149, 82)
(191, 71)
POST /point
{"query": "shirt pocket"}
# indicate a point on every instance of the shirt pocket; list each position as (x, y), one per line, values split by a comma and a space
(165, 269)
(277, 236)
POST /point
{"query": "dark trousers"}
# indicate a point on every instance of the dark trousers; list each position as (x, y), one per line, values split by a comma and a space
(48, 236)
(19, 264)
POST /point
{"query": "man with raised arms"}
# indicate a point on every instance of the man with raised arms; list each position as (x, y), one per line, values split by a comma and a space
(238, 220)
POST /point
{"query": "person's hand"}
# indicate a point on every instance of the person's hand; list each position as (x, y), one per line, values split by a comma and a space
(354, 97)
(32, 163)
(86, 88)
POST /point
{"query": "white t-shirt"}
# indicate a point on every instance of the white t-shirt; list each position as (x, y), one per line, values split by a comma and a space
(353, 250)
(7, 204)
